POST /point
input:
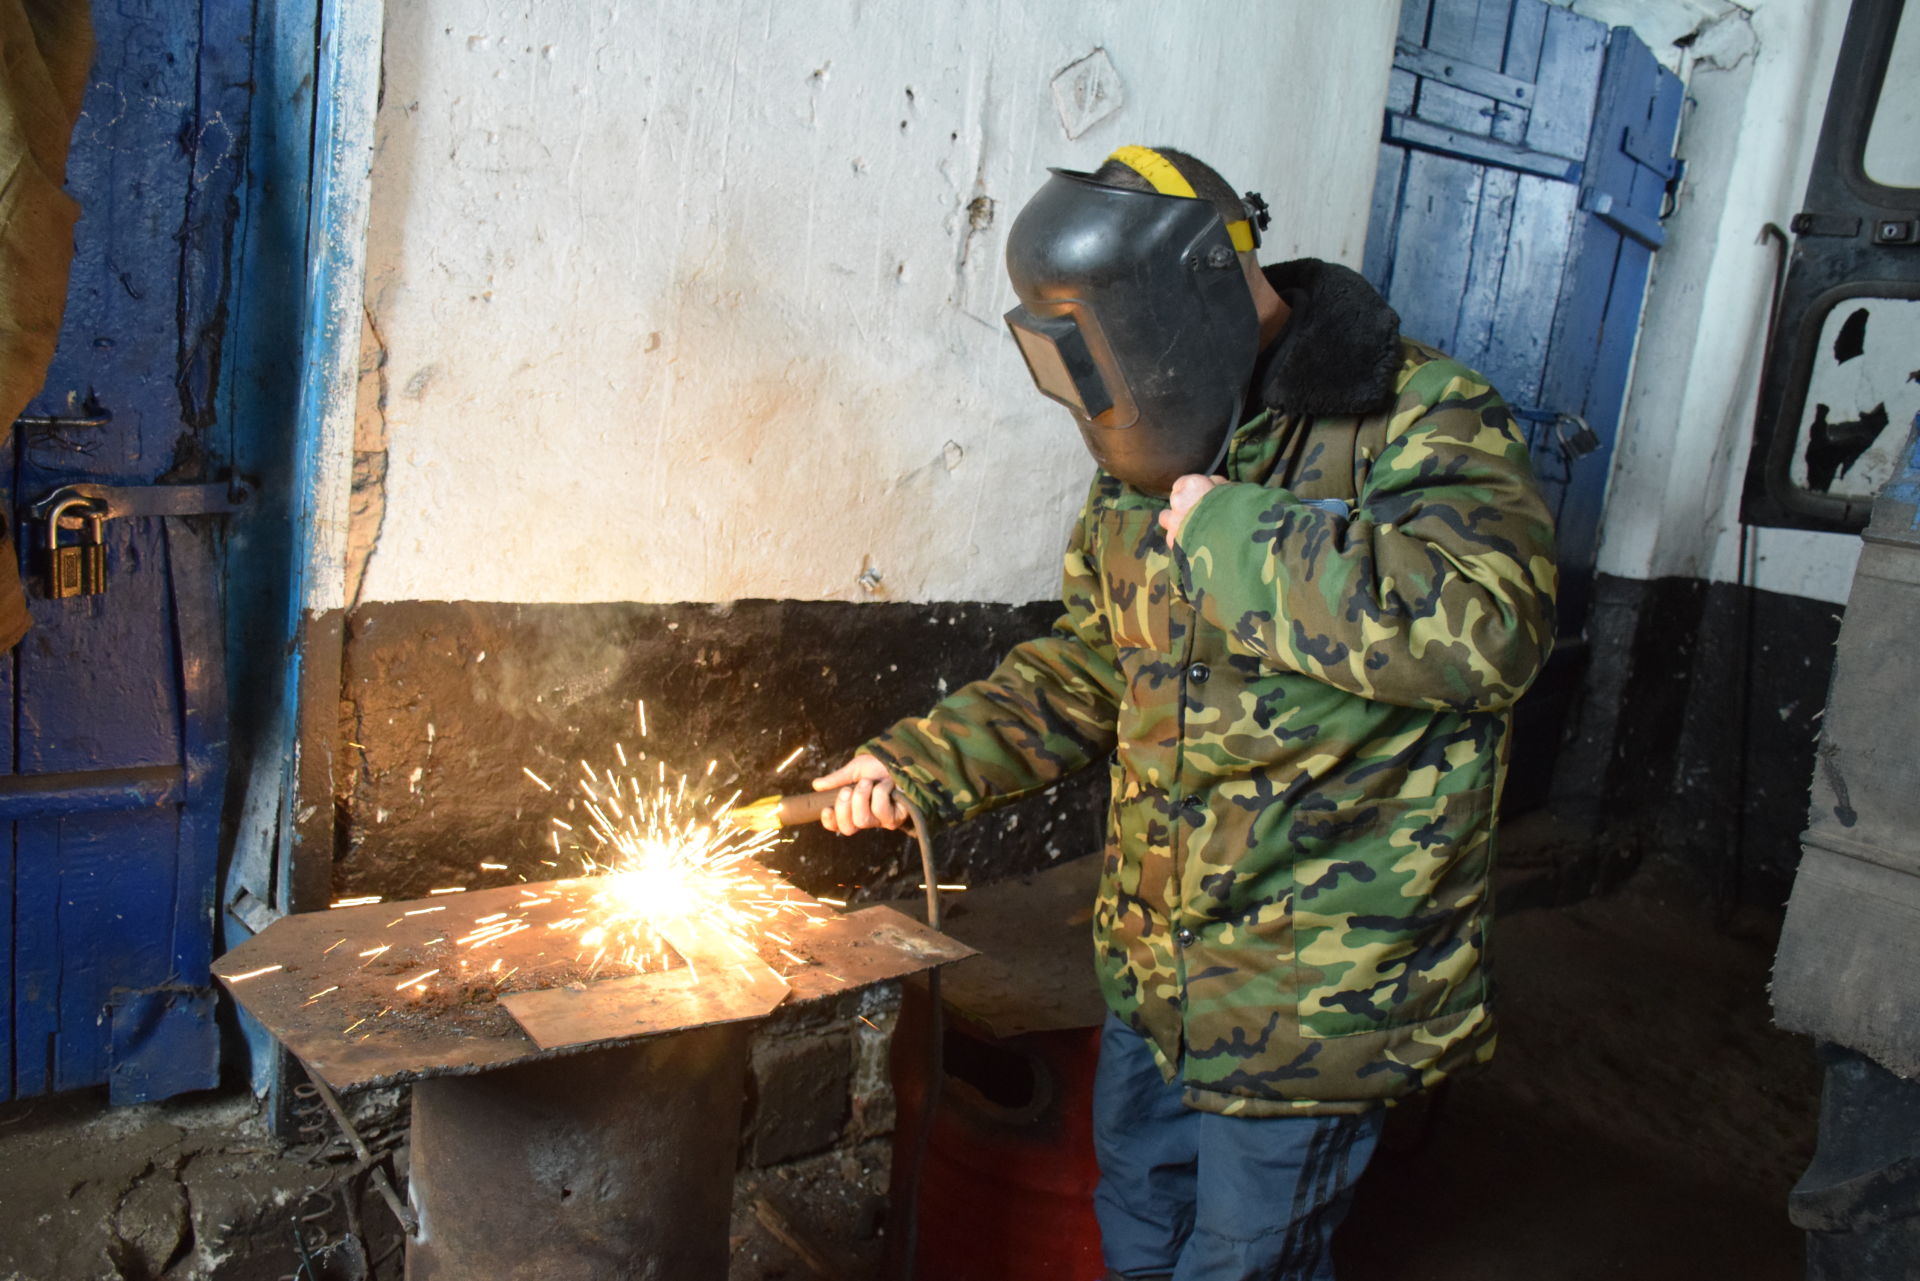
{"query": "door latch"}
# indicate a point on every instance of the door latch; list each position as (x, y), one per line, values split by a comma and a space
(80, 569)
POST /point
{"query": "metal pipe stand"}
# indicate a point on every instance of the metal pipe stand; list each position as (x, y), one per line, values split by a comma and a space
(615, 1163)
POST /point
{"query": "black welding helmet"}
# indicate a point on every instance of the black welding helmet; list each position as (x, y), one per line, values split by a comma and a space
(1135, 314)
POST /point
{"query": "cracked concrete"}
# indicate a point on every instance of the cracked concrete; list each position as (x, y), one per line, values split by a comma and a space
(190, 1190)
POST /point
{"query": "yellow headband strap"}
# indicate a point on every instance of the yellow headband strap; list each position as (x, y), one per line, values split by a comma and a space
(1156, 169)
(1169, 181)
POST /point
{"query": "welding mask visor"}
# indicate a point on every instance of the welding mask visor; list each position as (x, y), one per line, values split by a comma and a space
(1136, 315)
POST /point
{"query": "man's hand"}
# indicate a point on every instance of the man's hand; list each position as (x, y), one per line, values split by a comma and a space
(1187, 491)
(866, 797)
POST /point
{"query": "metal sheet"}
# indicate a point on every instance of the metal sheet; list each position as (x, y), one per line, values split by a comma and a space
(617, 1009)
(869, 946)
(356, 1019)
(1034, 969)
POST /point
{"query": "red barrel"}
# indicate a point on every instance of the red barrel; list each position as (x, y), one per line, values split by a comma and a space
(1006, 1191)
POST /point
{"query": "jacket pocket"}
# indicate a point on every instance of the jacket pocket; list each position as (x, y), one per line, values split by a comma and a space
(1389, 913)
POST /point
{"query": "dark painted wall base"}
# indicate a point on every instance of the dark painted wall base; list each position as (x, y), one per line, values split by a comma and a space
(1695, 734)
(443, 703)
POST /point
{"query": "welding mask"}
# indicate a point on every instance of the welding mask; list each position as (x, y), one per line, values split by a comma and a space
(1136, 315)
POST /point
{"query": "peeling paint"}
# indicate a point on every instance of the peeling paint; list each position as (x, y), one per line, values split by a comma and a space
(367, 505)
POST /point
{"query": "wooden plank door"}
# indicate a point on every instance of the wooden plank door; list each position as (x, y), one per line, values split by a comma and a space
(117, 750)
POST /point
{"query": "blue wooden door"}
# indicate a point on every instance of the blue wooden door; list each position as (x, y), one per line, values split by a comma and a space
(1525, 158)
(116, 702)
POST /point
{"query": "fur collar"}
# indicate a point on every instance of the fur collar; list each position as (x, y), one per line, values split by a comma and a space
(1340, 351)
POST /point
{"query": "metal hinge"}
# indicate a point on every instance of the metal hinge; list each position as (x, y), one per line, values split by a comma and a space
(1809, 223)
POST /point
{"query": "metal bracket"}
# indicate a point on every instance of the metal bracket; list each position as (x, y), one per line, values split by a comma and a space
(112, 502)
(1624, 218)
(1649, 151)
(1809, 223)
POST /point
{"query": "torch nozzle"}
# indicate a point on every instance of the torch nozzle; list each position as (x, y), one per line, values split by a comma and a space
(771, 812)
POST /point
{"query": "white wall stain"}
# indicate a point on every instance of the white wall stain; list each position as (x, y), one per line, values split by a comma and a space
(688, 302)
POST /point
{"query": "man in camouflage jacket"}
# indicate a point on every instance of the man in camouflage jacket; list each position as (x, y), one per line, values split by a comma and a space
(1299, 672)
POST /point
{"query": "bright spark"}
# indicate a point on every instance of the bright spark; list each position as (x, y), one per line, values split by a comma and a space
(418, 978)
(660, 856)
(792, 756)
(493, 867)
(254, 974)
(536, 778)
(356, 902)
(451, 889)
(422, 911)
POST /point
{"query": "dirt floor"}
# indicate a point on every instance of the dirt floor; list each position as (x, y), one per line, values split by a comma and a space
(1642, 1118)
(190, 1188)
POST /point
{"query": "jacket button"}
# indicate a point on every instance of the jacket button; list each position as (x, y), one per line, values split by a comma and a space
(1183, 936)
(1198, 673)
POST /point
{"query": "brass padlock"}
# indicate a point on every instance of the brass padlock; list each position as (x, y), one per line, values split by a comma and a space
(79, 570)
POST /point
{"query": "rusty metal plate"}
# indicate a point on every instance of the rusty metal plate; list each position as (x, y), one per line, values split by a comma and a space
(646, 1004)
(393, 992)
(865, 947)
(1034, 971)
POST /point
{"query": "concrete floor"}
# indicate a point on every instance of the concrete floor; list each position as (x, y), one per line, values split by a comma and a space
(1642, 1117)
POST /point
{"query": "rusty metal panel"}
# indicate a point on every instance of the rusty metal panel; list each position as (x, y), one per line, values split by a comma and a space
(343, 989)
(1034, 971)
(618, 1009)
(869, 946)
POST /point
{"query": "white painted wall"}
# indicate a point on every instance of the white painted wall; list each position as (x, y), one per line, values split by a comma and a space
(683, 301)
(1757, 83)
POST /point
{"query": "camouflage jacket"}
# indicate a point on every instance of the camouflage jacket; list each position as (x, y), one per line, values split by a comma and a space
(1305, 715)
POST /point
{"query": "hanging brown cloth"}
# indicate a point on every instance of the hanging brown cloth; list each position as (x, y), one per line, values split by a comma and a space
(46, 47)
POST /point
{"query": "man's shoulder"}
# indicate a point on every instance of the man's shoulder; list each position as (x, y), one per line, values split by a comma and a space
(1429, 378)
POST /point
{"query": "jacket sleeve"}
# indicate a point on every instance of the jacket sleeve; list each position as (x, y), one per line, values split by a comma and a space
(1047, 710)
(1438, 593)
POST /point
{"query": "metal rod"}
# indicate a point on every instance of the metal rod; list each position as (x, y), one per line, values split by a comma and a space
(90, 791)
(368, 1162)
